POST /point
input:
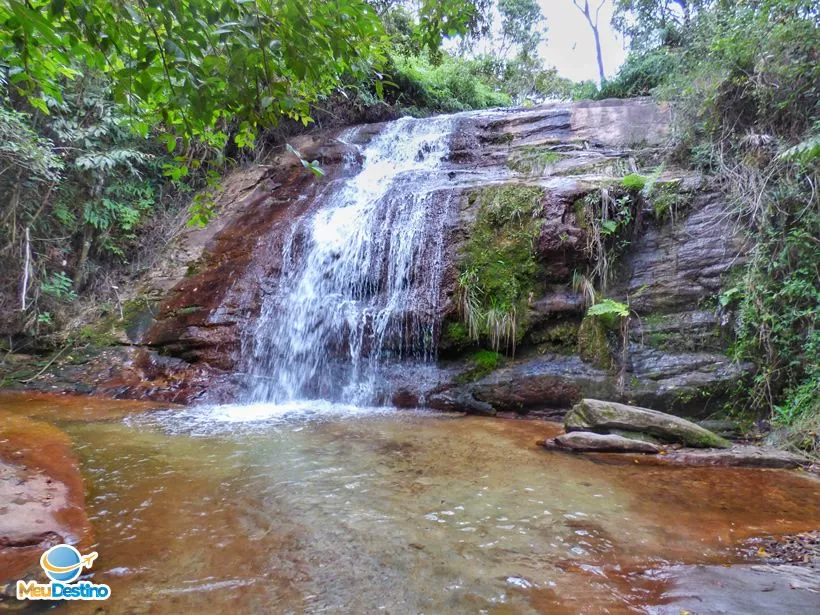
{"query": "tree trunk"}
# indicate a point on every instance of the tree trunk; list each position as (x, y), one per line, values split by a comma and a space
(79, 272)
(586, 11)
(598, 54)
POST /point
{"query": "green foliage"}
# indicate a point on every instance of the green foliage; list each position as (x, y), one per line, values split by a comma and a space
(520, 25)
(192, 65)
(641, 74)
(634, 182)
(499, 267)
(452, 85)
(609, 307)
(23, 150)
(607, 215)
(59, 286)
(805, 152)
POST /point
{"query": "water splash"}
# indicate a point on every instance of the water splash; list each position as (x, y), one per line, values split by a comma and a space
(360, 280)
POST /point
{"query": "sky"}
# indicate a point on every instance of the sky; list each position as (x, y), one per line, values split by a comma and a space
(570, 46)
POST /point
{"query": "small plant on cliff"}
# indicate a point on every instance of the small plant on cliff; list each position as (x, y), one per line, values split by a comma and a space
(634, 182)
(615, 315)
(607, 215)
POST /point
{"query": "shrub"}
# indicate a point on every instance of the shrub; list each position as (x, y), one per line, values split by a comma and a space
(453, 85)
(641, 74)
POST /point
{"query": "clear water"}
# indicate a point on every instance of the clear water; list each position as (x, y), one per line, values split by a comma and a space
(353, 510)
(361, 275)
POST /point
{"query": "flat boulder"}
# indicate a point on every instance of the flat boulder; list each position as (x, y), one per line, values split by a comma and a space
(42, 500)
(605, 416)
(585, 441)
(738, 456)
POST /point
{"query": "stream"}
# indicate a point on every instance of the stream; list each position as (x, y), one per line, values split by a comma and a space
(332, 508)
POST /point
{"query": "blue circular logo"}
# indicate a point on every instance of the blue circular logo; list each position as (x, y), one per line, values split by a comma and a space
(62, 563)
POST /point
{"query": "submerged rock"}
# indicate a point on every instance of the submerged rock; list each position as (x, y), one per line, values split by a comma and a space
(603, 416)
(584, 441)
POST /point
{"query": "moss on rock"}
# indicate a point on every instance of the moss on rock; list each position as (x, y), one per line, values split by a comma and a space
(533, 160)
(558, 338)
(482, 363)
(499, 266)
(593, 344)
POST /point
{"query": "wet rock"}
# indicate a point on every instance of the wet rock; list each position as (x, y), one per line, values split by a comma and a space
(461, 401)
(727, 590)
(690, 383)
(601, 416)
(737, 456)
(672, 267)
(42, 496)
(722, 427)
(584, 441)
(545, 381)
(204, 295)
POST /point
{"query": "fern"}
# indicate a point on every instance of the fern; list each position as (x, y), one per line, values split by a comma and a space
(806, 151)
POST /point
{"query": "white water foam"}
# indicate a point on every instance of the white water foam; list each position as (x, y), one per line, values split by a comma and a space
(361, 278)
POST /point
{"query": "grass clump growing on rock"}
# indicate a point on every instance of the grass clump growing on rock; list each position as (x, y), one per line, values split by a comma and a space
(499, 266)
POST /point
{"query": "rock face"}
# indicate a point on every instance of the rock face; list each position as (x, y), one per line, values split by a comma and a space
(585, 441)
(602, 416)
(748, 589)
(202, 301)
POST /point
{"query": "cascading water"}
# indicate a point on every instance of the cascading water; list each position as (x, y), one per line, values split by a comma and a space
(360, 280)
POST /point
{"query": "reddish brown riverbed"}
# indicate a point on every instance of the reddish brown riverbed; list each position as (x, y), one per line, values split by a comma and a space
(257, 510)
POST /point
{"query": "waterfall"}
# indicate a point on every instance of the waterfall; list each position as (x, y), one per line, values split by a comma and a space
(360, 280)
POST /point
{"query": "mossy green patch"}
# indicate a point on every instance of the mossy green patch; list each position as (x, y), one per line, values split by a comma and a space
(593, 344)
(454, 337)
(184, 311)
(533, 160)
(482, 363)
(98, 335)
(558, 338)
(499, 266)
(634, 182)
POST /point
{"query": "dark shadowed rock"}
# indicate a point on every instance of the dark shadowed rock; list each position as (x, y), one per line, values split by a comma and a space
(602, 416)
(549, 380)
(585, 441)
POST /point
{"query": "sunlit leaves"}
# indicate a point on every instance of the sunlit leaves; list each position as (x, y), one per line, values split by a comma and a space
(194, 66)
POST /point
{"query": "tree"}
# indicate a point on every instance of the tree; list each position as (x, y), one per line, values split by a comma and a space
(201, 69)
(592, 18)
(437, 19)
(653, 22)
(520, 26)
